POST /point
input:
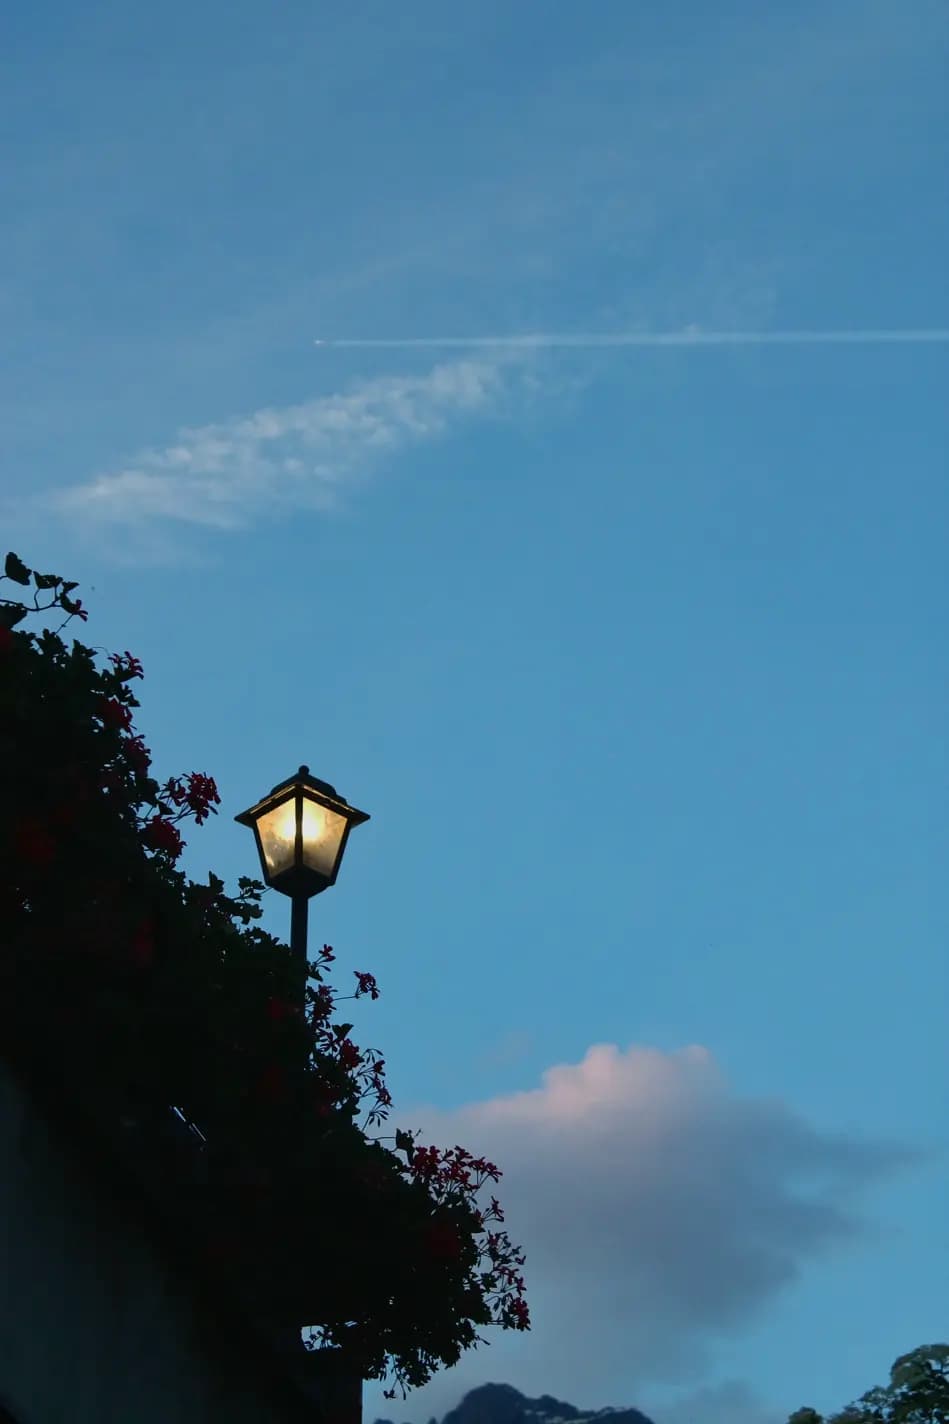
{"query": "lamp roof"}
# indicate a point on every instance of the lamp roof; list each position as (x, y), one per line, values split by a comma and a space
(324, 792)
(303, 777)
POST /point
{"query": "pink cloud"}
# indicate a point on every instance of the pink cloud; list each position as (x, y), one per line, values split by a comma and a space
(658, 1209)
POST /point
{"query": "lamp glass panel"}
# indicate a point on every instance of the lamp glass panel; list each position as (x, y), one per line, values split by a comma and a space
(277, 830)
(323, 832)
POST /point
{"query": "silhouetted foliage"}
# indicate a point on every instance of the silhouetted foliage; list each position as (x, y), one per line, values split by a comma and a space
(918, 1393)
(141, 988)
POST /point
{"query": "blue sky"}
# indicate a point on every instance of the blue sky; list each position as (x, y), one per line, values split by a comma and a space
(634, 655)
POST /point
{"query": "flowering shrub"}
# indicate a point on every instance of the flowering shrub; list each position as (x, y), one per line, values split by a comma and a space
(152, 989)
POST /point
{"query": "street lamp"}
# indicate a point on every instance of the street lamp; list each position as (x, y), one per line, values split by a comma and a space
(301, 830)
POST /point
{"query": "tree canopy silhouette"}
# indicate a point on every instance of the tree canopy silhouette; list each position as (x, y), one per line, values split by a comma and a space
(918, 1393)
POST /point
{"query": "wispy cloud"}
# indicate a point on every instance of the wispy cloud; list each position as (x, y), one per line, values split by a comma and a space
(690, 336)
(283, 457)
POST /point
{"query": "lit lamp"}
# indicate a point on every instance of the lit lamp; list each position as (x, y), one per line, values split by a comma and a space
(301, 830)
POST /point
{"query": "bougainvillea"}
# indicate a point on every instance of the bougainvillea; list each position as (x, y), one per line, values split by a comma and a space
(118, 969)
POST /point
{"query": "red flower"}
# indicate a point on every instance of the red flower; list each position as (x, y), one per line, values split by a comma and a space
(126, 666)
(323, 1002)
(137, 755)
(160, 834)
(202, 791)
(198, 794)
(349, 1055)
(425, 1162)
(33, 843)
(367, 985)
(114, 713)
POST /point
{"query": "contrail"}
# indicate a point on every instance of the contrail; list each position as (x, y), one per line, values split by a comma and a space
(548, 340)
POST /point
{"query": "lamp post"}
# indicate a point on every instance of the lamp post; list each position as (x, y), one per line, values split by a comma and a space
(301, 829)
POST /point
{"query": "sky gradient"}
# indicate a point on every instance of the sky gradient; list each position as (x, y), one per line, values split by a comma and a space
(635, 653)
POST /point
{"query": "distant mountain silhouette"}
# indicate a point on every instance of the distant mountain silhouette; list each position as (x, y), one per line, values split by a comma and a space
(503, 1404)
